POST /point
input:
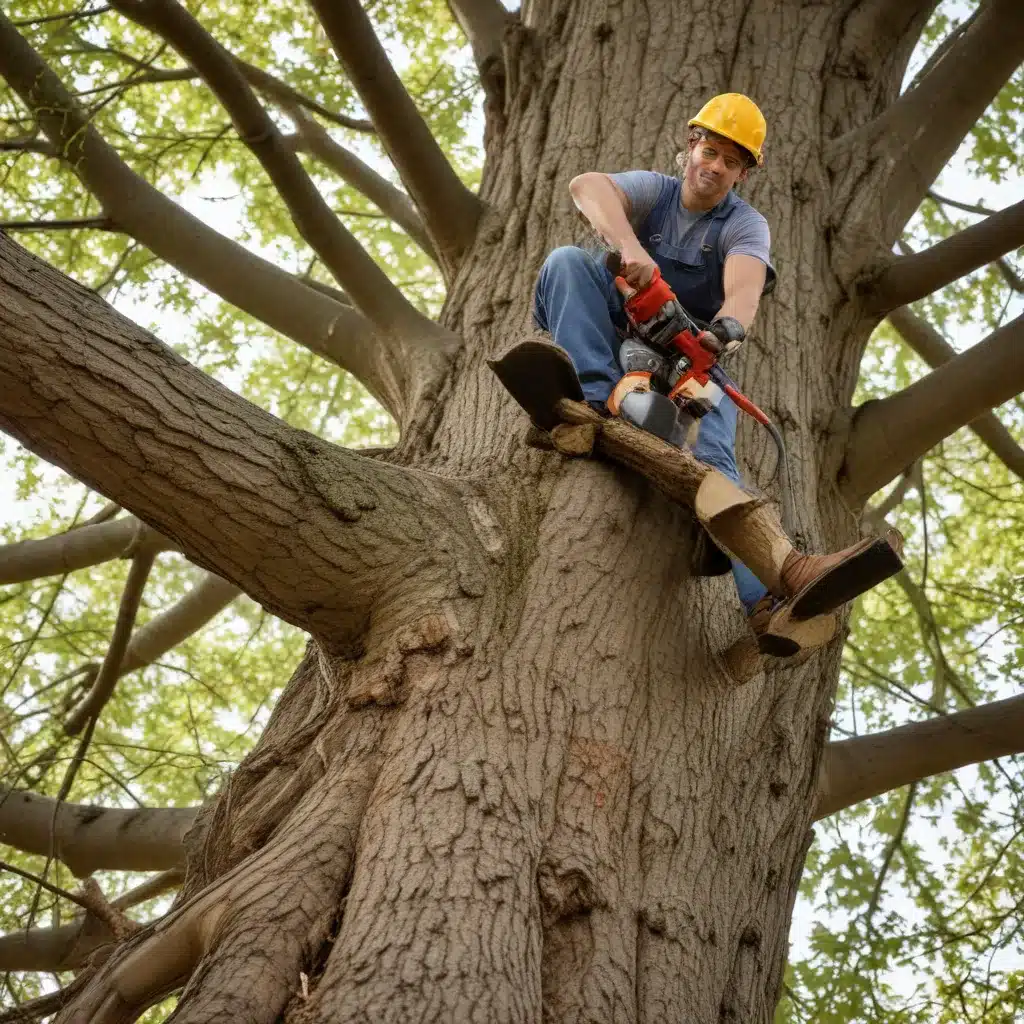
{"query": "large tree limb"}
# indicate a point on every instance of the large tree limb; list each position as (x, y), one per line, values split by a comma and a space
(313, 139)
(77, 549)
(339, 333)
(890, 434)
(933, 348)
(919, 133)
(313, 532)
(88, 838)
(860, 768)
(349, 263)
(909, 278)
(449, 209)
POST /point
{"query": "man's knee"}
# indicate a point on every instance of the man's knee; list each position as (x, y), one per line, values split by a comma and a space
(568, 260)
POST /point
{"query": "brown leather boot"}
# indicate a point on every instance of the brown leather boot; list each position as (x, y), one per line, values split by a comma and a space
(774, 632)
(816, 584)
(748, 529)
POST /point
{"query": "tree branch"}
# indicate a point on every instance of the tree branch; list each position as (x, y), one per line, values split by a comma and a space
(278, 299)
(313, 139)
(909, 278)
(203, 602)
(69, 946)
(78, 549)
(70, 224)
(110, 671)
(268, 84)
(89, 839)
(929, 344)
(484, 23)
(313, 532)
(449, 209)
(919, 133)
(860, 768)
(888, 435)
(350, 264)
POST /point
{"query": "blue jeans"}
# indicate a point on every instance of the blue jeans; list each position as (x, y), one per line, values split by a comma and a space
(577, 303)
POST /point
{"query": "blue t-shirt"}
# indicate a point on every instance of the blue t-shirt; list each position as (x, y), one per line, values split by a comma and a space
(745, 232)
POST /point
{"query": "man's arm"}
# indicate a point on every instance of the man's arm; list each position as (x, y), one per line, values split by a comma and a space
(743, 283)
(607, 208)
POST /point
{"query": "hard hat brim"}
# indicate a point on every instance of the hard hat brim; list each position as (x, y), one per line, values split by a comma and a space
(756, 154)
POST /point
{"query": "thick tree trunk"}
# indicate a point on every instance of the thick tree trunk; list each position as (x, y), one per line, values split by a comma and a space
(531, 792)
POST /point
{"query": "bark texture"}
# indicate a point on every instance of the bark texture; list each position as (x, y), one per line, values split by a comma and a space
(511, 779)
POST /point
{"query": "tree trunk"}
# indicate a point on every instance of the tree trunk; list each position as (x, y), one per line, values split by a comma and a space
(530, 790)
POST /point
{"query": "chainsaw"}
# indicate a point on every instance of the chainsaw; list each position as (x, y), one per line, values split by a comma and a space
(666, 352)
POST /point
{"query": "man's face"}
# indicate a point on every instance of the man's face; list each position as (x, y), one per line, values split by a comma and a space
(714, 166)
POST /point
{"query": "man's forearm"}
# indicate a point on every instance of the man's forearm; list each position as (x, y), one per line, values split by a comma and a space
(742, 306)
(600, 202)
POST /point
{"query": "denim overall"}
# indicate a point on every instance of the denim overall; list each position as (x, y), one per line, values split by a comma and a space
(576, 301)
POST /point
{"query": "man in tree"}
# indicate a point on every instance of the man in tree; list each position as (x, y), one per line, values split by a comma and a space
(712, 249)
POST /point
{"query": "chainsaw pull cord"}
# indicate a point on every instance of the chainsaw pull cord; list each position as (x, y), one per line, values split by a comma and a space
(781, 473)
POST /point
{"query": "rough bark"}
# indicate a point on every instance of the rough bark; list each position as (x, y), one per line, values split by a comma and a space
(281, 512)
(527, 788)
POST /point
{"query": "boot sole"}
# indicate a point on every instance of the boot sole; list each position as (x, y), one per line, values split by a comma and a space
(777, 646)
(847, 580)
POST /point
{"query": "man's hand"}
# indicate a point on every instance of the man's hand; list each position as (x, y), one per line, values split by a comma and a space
(637, 268)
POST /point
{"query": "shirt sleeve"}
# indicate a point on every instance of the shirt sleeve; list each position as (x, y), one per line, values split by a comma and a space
(747, 234)
(642, 189)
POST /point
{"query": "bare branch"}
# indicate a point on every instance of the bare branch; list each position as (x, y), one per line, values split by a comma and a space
(44, 884)
(78, 549)
(888, 435)
(103, 685)
(860, 768)
(71, 224)
(89, 839)
(909, 278)
(929, 344)
(27, 144)
(449, 209)
(919, 133)
(1009, 275)
(200, 605)
(69, 946)
(484, 23)
(312, 138)
(313, 532)
(350, 264)
(278, 299)
(286, 96)
(70, 16)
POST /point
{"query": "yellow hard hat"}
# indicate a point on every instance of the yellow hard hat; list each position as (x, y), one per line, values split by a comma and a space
(736, 117)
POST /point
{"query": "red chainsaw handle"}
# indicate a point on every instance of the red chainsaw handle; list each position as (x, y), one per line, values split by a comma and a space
(645, 303)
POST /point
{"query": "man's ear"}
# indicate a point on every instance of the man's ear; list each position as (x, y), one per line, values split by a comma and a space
(683, 155)
(743, 175)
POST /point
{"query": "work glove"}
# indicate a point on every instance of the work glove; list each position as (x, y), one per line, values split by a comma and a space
(725, 334)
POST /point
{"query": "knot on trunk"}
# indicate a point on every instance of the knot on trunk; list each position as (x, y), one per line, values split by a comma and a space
(385, 678)
(566, 892)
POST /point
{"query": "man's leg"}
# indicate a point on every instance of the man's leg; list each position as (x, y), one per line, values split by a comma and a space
(576, 301)
(716, 446)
